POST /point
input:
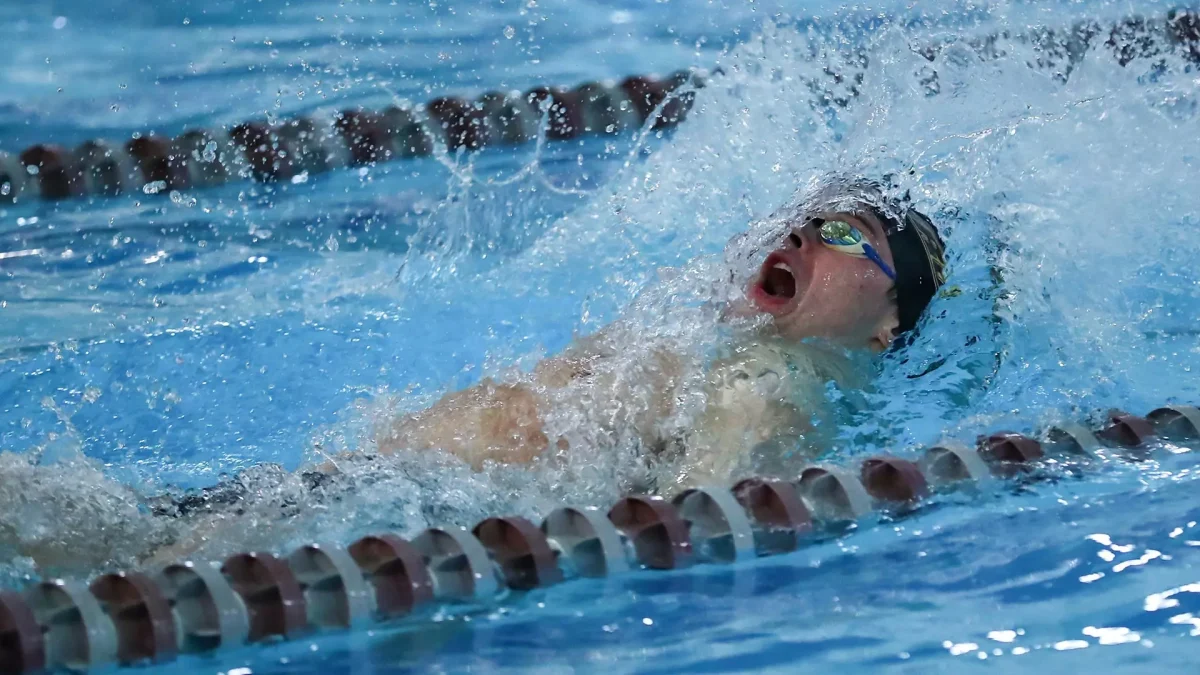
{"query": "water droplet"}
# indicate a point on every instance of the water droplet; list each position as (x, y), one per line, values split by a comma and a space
(621, 17)
(510, 32)
(60, 22)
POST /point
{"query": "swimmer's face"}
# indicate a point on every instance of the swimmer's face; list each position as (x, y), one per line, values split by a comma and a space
(813, 291)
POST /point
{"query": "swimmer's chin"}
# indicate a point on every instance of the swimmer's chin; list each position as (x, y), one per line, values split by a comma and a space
(745, 312)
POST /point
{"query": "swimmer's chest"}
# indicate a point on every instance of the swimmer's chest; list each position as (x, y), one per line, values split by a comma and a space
(764, 373)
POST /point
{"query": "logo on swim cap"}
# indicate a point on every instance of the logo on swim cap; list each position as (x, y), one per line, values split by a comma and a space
(935, 249)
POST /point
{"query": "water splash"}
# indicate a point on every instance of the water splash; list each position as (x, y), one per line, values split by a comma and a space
(1062, 190)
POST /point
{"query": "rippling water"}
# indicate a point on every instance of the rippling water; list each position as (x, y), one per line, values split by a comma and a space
(154, 342)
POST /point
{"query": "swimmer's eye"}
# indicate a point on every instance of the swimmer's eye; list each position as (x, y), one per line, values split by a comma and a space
(843, 237)
(841, 234)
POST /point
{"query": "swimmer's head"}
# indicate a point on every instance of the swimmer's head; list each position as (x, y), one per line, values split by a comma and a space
(839, 286)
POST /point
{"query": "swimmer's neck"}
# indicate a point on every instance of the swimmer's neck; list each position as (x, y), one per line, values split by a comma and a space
(811, 346)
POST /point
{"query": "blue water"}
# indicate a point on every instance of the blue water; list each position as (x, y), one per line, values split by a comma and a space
(154, 342)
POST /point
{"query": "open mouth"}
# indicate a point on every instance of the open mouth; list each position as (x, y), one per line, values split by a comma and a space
(779, 282)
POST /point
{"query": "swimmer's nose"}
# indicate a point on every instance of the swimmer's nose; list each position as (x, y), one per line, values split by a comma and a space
(812, 225)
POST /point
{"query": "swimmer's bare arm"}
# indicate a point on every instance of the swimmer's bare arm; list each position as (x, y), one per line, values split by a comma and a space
(490, 421)
(504, 422)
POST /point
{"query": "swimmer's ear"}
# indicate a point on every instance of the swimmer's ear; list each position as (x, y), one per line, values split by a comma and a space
(886, 333)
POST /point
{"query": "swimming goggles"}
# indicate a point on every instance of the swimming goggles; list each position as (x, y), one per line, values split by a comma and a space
(845, 238)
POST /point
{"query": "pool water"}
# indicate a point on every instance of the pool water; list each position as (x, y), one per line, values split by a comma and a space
(155, 342)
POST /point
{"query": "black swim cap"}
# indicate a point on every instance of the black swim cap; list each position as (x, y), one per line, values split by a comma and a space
(920, 258)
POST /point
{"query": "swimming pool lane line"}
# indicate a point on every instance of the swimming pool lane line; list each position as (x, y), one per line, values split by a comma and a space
(143, 617)
(307, 145)
(150, 163)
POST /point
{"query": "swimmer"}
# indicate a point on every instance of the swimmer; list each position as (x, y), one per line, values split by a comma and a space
(848, 273)
(851, 272)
